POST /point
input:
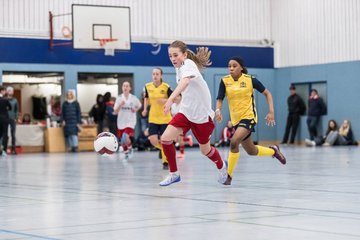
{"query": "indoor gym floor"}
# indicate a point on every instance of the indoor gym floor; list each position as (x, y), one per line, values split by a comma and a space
(86, 196)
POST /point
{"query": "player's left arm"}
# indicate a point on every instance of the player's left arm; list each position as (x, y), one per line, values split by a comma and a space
(270, 117)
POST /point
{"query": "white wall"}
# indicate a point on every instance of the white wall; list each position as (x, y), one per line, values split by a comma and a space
(214, 21)
(305, 31)
(315, 31)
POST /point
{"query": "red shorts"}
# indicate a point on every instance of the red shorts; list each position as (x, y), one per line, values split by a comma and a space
(128, 131)
(201, 131)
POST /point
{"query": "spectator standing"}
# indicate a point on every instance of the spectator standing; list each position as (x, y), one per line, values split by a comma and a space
(317, 108)
(111, 116)
(4, 119)
(13, 115)
(296, 107)
(98, 112)
(71, 118)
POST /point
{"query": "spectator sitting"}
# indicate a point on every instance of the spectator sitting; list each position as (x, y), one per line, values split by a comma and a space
(226, 135)
(26, 119)
(343, 136)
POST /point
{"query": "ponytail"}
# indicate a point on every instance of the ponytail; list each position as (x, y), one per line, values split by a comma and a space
(201, 57)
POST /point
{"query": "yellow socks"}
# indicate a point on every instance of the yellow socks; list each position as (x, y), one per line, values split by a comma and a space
(265, 151)
(232, 160)
(163, 157)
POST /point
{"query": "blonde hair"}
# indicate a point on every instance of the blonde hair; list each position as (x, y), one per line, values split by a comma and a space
(201, 57)
(344, 130)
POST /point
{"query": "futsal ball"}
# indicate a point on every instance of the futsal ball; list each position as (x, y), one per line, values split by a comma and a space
(106, 143)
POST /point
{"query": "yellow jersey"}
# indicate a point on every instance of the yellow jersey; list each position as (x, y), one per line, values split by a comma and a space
(153, 93)
(240, 95)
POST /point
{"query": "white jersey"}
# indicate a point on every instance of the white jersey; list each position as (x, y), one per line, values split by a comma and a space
(126, 118)
(196, 98)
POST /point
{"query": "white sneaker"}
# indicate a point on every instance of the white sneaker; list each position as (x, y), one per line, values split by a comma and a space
(223, 174)
(121, 149)
(308, 142)
(170, 179)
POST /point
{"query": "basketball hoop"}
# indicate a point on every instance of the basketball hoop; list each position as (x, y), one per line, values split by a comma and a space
(109, 49)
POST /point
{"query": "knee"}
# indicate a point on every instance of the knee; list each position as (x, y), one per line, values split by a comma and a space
(153, 140)
(165, 138)
(234, 146)
(205, 149)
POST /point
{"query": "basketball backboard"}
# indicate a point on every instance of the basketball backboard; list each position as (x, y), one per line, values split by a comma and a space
(93, 23)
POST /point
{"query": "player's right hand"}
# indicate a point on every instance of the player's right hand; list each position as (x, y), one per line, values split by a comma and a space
(218, 116)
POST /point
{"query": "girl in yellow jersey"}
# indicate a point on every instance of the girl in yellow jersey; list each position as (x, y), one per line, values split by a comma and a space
(239, 87)
(156, 94)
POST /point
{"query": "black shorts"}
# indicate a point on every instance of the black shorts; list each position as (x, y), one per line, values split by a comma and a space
(156, 129)
(249, 124)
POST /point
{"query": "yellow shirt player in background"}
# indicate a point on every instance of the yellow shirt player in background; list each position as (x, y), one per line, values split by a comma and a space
(239, 87)
(156, 94)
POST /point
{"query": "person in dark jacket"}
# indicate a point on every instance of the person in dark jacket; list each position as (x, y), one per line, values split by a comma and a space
(111, 116)
(346, 136)
(4, 119)
(13, 115)
(316, 109)
(98, 112)
(296, 107)
(71, 120)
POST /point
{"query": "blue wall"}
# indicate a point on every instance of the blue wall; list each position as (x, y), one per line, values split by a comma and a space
(343, 87)
(26, 55)
(342, 79)
(22, 50)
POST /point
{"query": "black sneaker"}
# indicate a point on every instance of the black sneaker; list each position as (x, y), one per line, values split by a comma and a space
(165, 166)
(278, 154)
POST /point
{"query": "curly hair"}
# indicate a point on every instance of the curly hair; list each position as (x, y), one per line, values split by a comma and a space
(201, 57)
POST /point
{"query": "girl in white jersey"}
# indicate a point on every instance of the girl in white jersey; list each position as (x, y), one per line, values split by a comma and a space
(126, 106)
(195, 109)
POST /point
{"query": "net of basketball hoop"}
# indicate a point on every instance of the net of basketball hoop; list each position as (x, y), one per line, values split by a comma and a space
(106, 44)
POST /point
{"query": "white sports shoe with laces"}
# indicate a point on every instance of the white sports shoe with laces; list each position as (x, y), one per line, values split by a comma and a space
(223, 173)
(170, 179)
